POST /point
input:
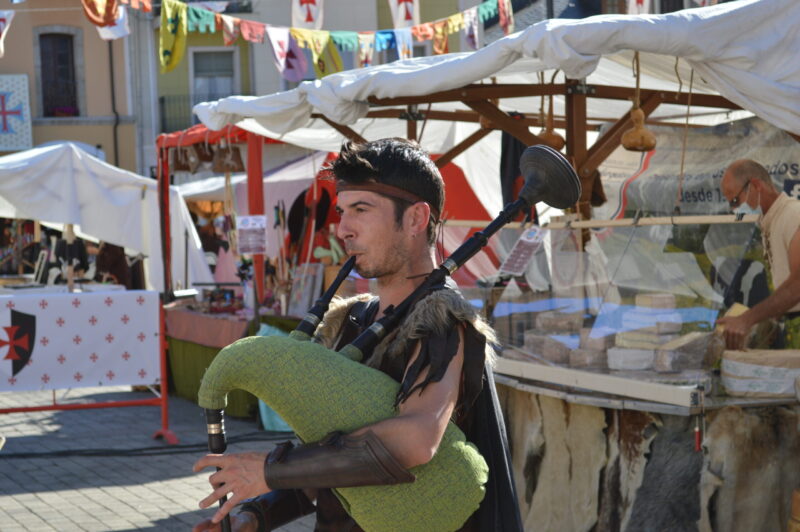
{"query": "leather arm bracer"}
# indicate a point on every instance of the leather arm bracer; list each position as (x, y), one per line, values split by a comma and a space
(337, 461)
(277, 508)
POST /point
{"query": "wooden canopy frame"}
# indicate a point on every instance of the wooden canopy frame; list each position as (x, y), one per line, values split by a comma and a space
(482, 100)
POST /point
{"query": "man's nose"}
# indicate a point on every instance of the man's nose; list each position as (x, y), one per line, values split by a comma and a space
(342, 230)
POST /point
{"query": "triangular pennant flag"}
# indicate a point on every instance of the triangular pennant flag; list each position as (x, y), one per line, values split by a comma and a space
(384, 40)
(455, 23)
(405, 43)
(5, 24)
(120, 29)
(307, 14)
(201, 20)
(252, 31)
(324, 54)
(345, 41)
(230, 29)
(101, 13)
(639, 7)
(143, 5)
(289, 58)
(422, 32)
(172, 36)
(366, 48)
(506, 12)
(472, 27)
(440, 37)
(405, 13)
(487, 10)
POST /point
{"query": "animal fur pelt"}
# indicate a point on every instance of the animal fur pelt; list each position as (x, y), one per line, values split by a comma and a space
(558, 454)
(750, 469)
(427, 318)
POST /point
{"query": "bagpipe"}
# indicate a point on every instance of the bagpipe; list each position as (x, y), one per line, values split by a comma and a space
(318, 391)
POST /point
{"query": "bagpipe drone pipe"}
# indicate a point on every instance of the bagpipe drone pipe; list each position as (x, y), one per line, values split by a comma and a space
(318, 391)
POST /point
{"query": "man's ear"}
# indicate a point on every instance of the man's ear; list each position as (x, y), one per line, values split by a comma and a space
(418, 215)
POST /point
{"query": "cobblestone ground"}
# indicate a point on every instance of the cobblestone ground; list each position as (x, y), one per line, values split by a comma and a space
(47, 482)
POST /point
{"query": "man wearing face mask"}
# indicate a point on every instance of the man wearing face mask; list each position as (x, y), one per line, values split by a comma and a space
(749, 190)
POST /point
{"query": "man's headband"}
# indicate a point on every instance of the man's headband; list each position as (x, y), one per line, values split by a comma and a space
(386, 190)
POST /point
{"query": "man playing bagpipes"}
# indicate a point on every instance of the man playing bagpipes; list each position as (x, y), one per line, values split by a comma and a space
(390, 198)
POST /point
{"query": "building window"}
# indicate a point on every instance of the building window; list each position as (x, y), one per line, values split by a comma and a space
(57, 76)
(214, 75)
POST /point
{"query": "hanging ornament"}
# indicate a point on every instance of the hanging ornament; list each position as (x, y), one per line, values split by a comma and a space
(639, 138)
(548, 134)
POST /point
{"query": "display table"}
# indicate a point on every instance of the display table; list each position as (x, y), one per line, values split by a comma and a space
(194, 339)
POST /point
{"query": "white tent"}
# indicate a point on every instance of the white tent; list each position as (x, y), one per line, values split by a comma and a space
(62, 184)
(285, 183)
(745, 51)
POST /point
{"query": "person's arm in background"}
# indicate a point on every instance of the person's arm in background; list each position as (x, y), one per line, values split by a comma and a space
(785, 297)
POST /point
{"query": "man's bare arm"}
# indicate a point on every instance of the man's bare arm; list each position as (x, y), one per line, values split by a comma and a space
(413, 436)
(785, 297)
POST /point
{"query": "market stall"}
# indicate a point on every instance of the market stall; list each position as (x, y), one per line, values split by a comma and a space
(608, 358)
(98, 334)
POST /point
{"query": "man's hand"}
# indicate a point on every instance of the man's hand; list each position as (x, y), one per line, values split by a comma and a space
(737, 329)
(241, 522)
(241, 475)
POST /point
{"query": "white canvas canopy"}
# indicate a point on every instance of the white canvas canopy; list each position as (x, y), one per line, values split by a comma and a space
(745, 51)
(62, 184)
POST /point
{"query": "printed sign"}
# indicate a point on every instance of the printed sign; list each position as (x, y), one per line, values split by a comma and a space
(251, 234)
(528, 243)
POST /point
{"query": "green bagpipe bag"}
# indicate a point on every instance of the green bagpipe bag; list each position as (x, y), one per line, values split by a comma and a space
(318, 391)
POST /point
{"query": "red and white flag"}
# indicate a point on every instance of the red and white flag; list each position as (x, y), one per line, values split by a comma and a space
(120, 29)
(639, 7)
(290, 60)
(405, 13)
(5, 24)
(307, 14)
(56, 341)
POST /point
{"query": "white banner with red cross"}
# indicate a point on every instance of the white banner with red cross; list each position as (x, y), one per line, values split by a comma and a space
(15, 113)
(57, 341)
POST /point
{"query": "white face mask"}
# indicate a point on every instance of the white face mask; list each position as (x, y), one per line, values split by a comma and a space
(745, 208)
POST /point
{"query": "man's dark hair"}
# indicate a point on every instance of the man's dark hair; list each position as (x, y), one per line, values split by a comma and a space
(396, 162)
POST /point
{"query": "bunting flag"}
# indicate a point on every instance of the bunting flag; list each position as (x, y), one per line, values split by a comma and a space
(384, 40)
(455, 23)
(252, 31)
(506, 13)
(422, 32)
(101, 13)
(172, 35)
(289, 58)
(639, 7)
(142, 5)
(201, 20)
(472, 27)
(307, 14)
(366, 48)
(345, 41)
(405, 43)
(324, 54)
(440, 37)
(230, 28)
(120, 29)
(405, 13)
(5, 24)
(487, 10)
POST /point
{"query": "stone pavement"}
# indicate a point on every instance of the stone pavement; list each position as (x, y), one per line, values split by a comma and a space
(55, 485)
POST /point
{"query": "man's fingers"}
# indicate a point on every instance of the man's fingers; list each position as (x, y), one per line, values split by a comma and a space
(216, 495)
(226, 508)
(205, 526)
(209, 460)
